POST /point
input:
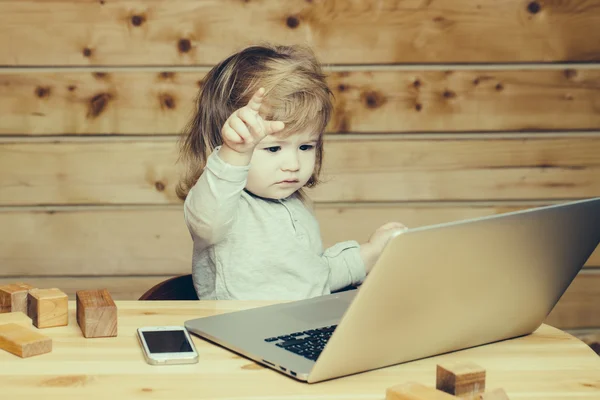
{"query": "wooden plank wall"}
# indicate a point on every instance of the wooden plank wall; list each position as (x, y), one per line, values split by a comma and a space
(444, 110)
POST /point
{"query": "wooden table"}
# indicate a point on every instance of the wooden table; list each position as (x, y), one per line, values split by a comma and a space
(549, 364)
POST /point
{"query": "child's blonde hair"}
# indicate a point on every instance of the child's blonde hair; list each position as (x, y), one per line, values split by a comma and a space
(295, 93)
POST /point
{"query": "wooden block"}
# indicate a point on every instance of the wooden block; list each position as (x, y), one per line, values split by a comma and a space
(13, 297)
(16, 318)
(465, 380)
(96, 313)
(48, 307)
(22, 341)
(496, 394)
(416, 391)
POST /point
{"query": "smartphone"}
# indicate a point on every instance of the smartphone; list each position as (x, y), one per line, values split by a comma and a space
(164, 345)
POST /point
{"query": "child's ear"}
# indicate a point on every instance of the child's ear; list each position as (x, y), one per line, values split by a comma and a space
(311, 182)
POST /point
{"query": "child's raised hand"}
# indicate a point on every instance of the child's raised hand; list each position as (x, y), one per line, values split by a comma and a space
(245, 128)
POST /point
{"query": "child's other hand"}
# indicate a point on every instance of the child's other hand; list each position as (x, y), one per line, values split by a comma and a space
(384, 233)
(245, 128)
(371, 250)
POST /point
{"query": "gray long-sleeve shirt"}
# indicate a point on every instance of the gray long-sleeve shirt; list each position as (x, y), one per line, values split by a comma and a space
(246, 247)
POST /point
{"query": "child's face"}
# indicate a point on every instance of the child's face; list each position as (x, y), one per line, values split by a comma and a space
(281, 166)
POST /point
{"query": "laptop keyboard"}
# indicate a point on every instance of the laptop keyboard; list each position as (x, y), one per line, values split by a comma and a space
(308, 344)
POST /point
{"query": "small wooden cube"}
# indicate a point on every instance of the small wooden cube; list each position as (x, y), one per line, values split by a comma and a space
(23, 342)
(466, 380)
(48, 307)
(415, 391)
(16, 318)
(13, 297)
(96, 313)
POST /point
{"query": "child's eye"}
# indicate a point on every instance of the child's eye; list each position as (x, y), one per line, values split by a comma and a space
(273, 149)
(306, 147)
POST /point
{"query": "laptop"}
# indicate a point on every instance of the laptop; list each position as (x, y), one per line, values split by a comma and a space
(433, 290)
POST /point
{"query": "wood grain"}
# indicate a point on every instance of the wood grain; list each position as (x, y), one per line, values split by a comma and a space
(579, 307)
(142, 241)
(120, 287)
(548, 361)
(192, 32)
(140, 101)
(92, 173)
(591, 337)
(416, 391)
(355, 170)
(16, 317)
(465, 100)
(130, 102)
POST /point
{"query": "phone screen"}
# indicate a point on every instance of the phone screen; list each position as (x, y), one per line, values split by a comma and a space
(167, 342)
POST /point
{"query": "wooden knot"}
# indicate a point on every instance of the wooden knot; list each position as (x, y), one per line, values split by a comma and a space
(137, 20)
(97, 104)
(534, 7)
(87, 52)
(42, 91)
(184, 45)
(373, 99)
(292, 22)
(570, 73)
(449, 94)
(167, 102)
(159, 186)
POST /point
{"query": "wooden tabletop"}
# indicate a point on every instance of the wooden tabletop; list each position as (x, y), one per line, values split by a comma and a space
(549, 364)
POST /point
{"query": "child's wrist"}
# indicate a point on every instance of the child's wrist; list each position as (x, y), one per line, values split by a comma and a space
(369, 255)
(234, 157)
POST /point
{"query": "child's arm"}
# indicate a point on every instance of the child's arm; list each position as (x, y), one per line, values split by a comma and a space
(211, 205)
(346, 266)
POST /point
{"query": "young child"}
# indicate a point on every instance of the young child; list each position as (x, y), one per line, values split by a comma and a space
(255, 141)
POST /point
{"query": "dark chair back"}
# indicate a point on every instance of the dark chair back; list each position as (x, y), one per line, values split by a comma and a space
(177, 288)
(182, 288)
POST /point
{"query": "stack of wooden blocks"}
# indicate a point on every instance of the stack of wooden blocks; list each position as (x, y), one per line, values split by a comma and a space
(22, 305)
(453, 381)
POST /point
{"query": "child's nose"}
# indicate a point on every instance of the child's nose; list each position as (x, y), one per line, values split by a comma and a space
(292, 163)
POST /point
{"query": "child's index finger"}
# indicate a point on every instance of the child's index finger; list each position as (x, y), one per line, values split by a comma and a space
(256, 100)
